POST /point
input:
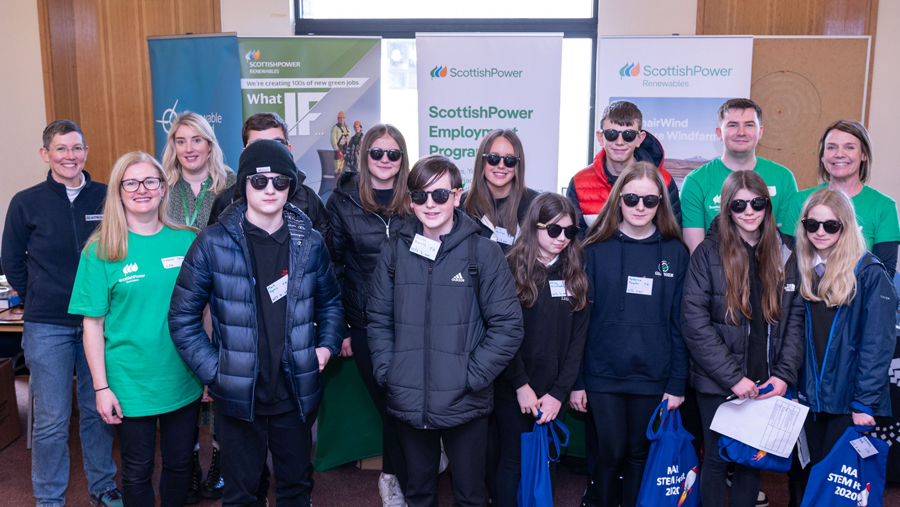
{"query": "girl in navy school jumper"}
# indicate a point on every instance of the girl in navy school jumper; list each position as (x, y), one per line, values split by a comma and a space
(635, 357)
(850, 310)
(553, 291)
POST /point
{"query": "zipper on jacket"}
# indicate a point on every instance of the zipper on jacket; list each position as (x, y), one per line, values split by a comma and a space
(427, 346)
(74, 226)
(387, 225)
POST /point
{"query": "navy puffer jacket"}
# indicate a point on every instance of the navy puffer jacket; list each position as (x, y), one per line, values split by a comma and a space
(217, 270)
(433, 348)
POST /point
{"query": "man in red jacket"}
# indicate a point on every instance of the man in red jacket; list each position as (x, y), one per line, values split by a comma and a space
(622, 143)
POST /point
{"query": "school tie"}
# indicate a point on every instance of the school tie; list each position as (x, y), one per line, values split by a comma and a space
(820, 269)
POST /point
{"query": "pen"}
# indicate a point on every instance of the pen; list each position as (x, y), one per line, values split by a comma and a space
(734, 396)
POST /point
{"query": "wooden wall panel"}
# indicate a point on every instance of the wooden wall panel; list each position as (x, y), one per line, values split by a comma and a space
(778, 17)
(97, 66)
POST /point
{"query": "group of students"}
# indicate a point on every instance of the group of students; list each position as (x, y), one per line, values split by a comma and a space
(470, 315)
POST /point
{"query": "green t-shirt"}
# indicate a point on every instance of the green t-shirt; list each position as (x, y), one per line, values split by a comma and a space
(701, 191)
(143, 368)
(876, 215)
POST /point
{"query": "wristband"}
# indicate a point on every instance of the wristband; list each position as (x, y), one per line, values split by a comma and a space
(101, 389)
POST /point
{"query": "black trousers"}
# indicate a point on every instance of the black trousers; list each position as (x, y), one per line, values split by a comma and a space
(464, 445)
(621, 424)
(744, 485)
(392, 461)
(137, 443)
(243, 445)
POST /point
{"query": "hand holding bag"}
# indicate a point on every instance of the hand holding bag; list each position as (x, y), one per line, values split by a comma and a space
(671, 476)
(846, 479)
(535, 489)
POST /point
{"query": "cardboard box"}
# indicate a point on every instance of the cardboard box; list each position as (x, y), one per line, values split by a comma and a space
(10, 429)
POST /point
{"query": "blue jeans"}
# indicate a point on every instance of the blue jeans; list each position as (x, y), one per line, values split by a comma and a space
(52, 354)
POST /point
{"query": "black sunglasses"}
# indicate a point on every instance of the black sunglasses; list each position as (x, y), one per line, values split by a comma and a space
(261, 181)
(392, 154)
(494, 159)
(757, 203)
(613, 134)
(554, 230)
(650, 201)
(812, 225)
(439, 195)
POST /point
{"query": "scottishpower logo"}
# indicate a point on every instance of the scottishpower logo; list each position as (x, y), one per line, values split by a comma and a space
(439, 71)
(630, 70)
(130, 268)
(442, 71)
(252, 55)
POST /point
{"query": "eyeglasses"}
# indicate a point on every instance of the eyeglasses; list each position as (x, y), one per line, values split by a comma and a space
(133, 185)
(613, 134)
(261, 181)
(62, 151)
(554, 230)
(393, 154)
(650, 201)
(812, 226)
(438, 195)
(757, 203)
(494, 159)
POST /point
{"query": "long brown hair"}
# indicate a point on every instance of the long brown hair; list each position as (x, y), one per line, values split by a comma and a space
(399, 204)
(857, 130)
(479, 200)
(527, 269)
(610, 216)
(735, 259)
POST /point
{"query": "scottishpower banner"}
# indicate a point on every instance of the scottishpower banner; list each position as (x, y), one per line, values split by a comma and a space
(199, 74)
(310, 81)
(471, 84)
(678, 83)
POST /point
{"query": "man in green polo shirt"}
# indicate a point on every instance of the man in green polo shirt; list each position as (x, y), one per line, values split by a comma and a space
(740, 129)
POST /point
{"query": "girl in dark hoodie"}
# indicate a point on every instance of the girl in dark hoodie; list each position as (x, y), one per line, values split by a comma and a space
(553, 290)
(635, 261)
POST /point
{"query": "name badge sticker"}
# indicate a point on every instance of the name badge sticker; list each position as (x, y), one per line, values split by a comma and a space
(503, 236)
(640, 285)
(863, 447)
(558, 289)
(773, 191)
(278, 288)
(425, 247)
(173, 262)
(93, 218)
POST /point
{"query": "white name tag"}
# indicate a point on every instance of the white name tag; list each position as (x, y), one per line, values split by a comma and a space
(789, 287)
(558, 289)
(265, 169)
(93, 218)
(173, 262)
(863, 447)
(640, 285)
(278, 288)
(772, 192)
(425, 247)
(503, 236)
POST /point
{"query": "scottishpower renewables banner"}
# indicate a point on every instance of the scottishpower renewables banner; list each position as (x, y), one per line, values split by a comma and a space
(199, 74)
(309, 81)
(471, 84)
(678, 83)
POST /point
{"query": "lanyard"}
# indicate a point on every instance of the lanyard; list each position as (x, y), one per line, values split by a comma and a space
(199, 202)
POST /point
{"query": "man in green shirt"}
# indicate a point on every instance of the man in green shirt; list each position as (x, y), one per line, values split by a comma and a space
(739, 129)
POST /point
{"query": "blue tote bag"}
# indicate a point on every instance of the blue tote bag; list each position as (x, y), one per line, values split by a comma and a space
(844, 478)
(535, 489)
(671, 476)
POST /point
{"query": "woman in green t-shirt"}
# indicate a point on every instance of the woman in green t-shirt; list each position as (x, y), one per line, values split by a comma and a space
(123, 287)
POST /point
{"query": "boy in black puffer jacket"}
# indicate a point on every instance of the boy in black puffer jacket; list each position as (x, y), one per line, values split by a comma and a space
(444, 321)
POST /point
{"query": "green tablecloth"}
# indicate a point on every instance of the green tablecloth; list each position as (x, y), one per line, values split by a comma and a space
(349, 425)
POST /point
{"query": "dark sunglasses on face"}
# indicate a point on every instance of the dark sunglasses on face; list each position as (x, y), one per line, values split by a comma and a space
(133, 185)
(627, 135)
(261, 181)
(393, 154)
(650, 201)
(757, 203)
(438, 195)
(554, 230)
(494, 159)
(812, 226)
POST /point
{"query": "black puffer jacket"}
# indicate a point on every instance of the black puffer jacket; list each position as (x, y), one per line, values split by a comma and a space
(718, 347)
(432, 347)
(217, 270)
(357, 237)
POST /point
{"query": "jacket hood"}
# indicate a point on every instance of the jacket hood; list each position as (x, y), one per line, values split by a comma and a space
(232, 219)
(650, 150)
(463, 227)
(348, 185)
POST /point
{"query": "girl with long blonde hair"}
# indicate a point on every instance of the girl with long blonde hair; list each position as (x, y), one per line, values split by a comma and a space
(123, 286)
(851, 307)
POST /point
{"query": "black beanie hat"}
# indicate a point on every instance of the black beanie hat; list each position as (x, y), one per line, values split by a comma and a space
(266, 156)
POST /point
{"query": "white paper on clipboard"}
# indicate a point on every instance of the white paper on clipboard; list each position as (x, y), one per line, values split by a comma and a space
(772, 425)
